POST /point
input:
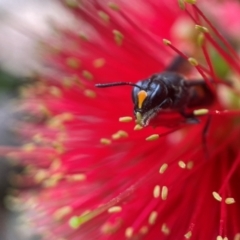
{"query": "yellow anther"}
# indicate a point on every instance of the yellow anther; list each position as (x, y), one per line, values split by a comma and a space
(60, 213)
(181, 4)
(83, 36)
(166, 42)
(152, 218)
(71, 3)
(138, 127)
(163, 168)
(104, 16)
(90, 93)
(153, 137)
(55, 91)
(87, 75)
(105, 141)
(118, 37)
(129, 232)
(237, 236)
(188, 235)
(73, 62)
(114, 6)
(98, 63)
(190, 1)
(125, 119)
(200, 112)
(164, 193)
(165, 229)
(76, 177)
(29, 147)
(156, 191)
(200, 39)
(201, 28)
(229, 200)
(217, 196)
(115, 209)
(182, 164)
(193, 61)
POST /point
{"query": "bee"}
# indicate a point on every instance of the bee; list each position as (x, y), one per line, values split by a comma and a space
(166, 91)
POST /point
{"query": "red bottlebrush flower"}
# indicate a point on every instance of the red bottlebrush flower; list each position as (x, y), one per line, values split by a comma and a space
(101, 177)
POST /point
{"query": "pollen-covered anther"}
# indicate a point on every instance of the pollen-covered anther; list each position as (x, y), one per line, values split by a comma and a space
(28, 147)
(164, 193)
(55, 91)
(229, 200)
(181, 4)
(78, 177)
(98, 63)
(56, 164)
(115, 209)
(190, 1)
(188, 235)
(143, 230)
(138, 127)
(53, 180)
(200, 39)
(163, 168)
(114, 6)
(217, 196)
(201, 28)
(125, 119)
(200, 112)
(72, 3)
(60, 213)
(73, 62)
(152, 137)
(86, 74)
(152, 217)
(66, 116)
(111, 227)
(38, 138)
(156, 191)
(90, 93)
(59, 147)
(129, 232)
(237, 236)
(105, 141)
(193, 61)
(118, 37)
(182, 164)
(83, 36)
(167, 42)
(40, 175)
(120, 134)
(165, 229)
(104, 16)
(220, 238)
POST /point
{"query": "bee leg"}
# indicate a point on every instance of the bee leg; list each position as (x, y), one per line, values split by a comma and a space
(205, 134)
(190, 118)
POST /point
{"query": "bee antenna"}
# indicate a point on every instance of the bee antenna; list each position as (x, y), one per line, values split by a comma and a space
(103, 85)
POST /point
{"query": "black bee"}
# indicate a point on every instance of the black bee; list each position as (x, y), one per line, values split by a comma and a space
(166, 91)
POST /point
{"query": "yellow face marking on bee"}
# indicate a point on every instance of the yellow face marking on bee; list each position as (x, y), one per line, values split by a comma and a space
(141, 97)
